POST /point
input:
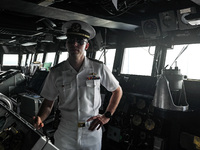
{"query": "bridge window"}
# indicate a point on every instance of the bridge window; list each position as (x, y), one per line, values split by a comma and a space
(10, 59)
(63, 56)
(30, 59)
(50, 58)
(39, 57)
(138, 60)
(23, 61)
(107, 58)
(187, 59)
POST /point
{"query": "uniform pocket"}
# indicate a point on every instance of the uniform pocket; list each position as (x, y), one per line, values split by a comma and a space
(93, 92)
(64, 89)
(93, 83)
(66, 86)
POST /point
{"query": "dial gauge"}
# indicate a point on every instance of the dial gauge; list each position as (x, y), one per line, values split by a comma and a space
(137, 120)
(149, 124)
(150, 27)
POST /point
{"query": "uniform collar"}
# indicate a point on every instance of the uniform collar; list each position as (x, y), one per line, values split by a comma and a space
(86, 65)
(67, 65)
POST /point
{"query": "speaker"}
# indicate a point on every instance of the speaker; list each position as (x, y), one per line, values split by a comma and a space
(29, 105)
(150, 28)
(168, 21)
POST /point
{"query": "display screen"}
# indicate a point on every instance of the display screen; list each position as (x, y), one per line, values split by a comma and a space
(36, 83)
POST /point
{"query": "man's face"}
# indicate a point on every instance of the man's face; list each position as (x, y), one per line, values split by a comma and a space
(76, 45)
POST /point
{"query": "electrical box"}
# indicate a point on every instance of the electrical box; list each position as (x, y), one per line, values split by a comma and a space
(29, 105)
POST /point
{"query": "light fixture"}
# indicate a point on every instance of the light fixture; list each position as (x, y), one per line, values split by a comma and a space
(12, 41)
(62, 37)
(29, 44)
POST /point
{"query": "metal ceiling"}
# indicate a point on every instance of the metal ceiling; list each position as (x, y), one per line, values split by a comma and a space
(125, 15)
(31, 20)
(60, 14)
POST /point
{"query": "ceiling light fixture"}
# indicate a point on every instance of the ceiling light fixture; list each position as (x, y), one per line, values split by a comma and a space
(29, 44)
(62, 37)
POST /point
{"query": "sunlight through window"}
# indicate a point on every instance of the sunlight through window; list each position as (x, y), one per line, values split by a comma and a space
(138, 60)
(10, 59)
(188, 62)
(108, 58)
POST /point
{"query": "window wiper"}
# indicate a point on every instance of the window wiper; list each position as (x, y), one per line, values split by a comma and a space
(181, 52)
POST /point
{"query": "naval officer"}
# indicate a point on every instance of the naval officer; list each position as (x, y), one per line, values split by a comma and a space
(76, 82)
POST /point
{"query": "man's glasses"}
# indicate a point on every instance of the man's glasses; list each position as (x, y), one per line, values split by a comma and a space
(80, 41)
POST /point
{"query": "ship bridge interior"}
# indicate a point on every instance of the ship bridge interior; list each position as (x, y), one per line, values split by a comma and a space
(152, 114)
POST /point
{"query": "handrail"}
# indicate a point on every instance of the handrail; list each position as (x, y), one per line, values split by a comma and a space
(6, 100)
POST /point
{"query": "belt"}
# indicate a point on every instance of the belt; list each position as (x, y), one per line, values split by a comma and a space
(81, 124)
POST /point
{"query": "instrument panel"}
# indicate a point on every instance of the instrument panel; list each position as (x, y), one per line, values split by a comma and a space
(142, 114)
(136, 121)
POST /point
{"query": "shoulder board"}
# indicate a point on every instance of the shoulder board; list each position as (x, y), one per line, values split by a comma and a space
(92, 59)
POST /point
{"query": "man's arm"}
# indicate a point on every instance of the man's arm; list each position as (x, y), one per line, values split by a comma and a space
(100, 120)
(114, 100)
(43, 113)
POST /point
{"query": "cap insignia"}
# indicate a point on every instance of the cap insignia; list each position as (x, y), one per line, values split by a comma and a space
(76, 27)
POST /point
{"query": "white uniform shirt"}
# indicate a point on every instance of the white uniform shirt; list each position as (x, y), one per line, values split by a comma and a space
(79, 97)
